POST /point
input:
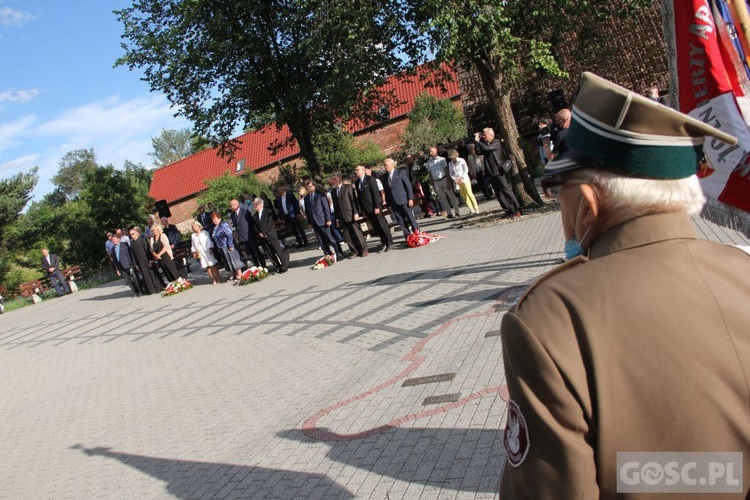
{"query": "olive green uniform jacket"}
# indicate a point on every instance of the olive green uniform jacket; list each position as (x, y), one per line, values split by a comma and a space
(644, 347)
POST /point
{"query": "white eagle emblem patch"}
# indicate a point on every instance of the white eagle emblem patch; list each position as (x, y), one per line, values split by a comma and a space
(516, 437)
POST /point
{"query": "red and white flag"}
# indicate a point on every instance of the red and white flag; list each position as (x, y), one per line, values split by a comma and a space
(708, 68)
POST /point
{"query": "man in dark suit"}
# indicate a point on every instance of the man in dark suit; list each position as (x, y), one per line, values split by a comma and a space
(205, 219)
(318, 215)
(493, 168)
(173, 234)
(400, 197)
(51, 265)
(347, 213)
(287, 207)
(370, 202)
(267, 234)
(246, 231)
(124, 262)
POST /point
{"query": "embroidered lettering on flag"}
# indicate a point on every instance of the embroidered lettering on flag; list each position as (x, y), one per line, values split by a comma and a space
(712, 73)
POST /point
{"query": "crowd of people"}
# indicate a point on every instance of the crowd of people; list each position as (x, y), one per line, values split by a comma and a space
(339, 215)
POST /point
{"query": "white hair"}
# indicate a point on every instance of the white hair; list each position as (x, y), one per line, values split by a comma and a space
(628, 197)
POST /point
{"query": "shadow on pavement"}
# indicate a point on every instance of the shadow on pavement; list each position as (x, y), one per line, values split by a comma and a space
(189, 479)
(454, 273)
(469, 460)
(120, 294)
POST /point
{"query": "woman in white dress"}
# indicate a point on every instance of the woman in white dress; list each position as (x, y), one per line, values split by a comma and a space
(202, 248)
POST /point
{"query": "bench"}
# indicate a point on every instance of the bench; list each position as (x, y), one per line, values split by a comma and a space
(30, 288)
(367, 229)
(71, 273)
(39, 286)
(282, 230)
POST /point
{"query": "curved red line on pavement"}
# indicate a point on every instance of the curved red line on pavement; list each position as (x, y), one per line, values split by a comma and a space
(310, 429)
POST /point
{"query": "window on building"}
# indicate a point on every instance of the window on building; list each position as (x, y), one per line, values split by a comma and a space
(240, 165)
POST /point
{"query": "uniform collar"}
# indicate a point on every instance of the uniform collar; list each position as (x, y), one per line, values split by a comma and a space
(642, 231)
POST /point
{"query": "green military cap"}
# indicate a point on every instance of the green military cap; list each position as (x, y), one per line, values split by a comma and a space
(615, 129)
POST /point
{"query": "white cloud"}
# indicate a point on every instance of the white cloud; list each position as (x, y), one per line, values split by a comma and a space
(13, 17)
(12, 133)
(117, 130)
(22, 164)
(18, 95)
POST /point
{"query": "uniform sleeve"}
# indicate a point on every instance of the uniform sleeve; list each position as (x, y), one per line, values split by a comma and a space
(547, 439)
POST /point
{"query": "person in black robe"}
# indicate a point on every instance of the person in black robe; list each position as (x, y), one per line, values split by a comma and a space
(163, 254)
(142, 256)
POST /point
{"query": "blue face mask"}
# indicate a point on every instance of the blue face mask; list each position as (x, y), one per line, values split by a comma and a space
(573, 247)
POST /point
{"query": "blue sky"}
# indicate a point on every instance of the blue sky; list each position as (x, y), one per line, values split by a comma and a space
(59, 91)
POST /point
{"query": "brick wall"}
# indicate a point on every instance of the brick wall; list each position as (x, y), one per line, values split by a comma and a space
(387, 138)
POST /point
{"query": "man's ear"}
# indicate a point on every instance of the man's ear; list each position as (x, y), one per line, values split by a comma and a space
(591, 205)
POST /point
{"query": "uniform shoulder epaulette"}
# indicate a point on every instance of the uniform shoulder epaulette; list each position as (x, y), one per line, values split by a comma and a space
(552, 272)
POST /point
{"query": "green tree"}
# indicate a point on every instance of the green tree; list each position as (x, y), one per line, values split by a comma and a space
(431, 121)
(301, 63)
(338, 151)
(75, 229)
(15, 193)
(140, 178)
(71, 175)
(510, 42)
(171, 145)
(112, 199)
(228, 187)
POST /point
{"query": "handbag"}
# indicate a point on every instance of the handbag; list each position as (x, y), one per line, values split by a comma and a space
(507, 164)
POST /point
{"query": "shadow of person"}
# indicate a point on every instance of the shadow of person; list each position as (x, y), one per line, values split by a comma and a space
(466, 460)
(120, 294)
(189, 479)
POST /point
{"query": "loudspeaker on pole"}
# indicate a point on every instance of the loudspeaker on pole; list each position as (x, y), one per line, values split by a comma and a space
(162, 207)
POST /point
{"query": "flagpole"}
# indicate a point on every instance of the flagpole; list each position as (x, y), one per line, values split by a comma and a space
(667, 21)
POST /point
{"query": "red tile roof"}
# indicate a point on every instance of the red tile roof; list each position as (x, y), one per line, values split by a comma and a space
(187, 177)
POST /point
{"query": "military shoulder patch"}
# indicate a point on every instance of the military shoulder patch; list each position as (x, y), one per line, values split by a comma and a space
(516, 437)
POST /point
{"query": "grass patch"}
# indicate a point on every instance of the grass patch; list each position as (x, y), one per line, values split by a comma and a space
(83, 284)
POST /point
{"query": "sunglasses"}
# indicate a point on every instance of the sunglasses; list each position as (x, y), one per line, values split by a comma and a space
(551, 186)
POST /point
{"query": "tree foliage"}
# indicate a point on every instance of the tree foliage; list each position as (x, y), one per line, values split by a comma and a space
(431, 121)
(72, 172)
(15, 193)
(338, 151)
(171, 145)
(301, 63)
(509, 42)
(228, 187)
(90, 200)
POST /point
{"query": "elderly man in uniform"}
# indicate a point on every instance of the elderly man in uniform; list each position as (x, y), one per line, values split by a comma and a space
(641, 342)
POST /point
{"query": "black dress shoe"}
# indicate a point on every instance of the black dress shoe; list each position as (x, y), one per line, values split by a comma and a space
(386, 248)
(282, 271)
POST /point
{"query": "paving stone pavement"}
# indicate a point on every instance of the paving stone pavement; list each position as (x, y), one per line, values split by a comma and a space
(286, 388)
